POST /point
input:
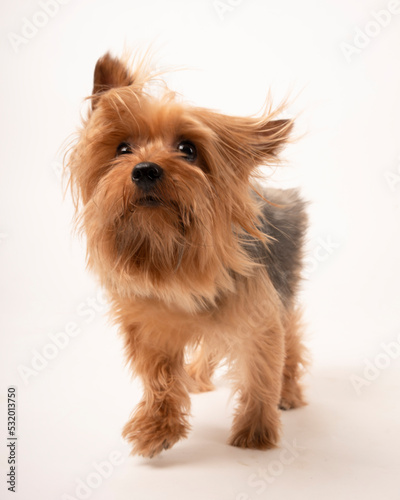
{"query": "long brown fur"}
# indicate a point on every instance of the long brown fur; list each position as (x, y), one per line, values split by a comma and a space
(201, 269)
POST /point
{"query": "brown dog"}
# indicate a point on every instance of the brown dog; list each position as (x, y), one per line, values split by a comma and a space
(193, 254)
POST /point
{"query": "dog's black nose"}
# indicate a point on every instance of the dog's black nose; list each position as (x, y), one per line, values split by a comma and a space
(146, 174)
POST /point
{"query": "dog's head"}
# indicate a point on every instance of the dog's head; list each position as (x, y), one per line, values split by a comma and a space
(163, 188)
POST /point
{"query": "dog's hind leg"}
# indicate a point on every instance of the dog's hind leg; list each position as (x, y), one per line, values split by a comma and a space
(202, 368)
(295, 363)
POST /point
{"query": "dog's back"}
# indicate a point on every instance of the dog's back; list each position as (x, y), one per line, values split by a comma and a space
(284, 220)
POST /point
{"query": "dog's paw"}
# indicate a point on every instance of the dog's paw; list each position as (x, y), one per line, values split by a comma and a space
(199, 381)
(290, 403)
(255, 434)
(257, 439)
(292, 396)
(151, 433)
(285, 404)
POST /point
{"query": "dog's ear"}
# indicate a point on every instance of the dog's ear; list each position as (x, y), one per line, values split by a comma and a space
(109, 73)
(248, 142)
(271, 137)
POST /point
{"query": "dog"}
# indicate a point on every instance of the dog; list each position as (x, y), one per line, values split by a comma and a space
(202, 265)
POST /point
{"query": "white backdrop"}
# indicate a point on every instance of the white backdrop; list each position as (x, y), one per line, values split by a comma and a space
(340, 60)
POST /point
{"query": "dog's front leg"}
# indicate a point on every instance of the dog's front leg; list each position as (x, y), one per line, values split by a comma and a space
(259, 365)
(160, 419)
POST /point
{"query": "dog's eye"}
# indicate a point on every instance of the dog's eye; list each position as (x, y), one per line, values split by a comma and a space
(188, 150)
(124, 149)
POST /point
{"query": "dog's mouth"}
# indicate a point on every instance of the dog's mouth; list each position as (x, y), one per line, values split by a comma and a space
(145, 201)
(148, 201)
(170, 206)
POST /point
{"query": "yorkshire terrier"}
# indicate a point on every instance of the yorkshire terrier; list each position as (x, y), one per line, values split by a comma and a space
(197, 258)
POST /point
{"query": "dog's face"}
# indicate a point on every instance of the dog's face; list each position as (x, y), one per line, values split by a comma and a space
(164, 187)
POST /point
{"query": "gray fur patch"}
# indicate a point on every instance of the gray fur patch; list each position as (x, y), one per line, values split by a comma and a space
(285, 220)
